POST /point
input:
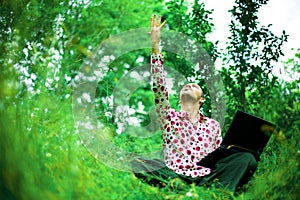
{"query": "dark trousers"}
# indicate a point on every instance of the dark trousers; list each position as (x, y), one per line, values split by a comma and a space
(230, 172)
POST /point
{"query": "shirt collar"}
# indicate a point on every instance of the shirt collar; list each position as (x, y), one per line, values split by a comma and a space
(183, 114)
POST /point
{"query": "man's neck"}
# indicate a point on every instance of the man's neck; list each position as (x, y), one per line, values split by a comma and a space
(192, 111)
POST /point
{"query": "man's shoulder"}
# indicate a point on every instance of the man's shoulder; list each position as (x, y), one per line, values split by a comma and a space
(211, 120)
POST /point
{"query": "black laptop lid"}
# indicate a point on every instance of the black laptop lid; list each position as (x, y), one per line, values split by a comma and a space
(249, 132)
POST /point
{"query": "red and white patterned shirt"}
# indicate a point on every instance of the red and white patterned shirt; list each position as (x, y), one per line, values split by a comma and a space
(184, 143)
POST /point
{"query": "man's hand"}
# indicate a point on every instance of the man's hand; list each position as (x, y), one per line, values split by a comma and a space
(156, 27)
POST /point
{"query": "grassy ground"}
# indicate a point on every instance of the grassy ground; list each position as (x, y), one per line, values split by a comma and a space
(42, 158)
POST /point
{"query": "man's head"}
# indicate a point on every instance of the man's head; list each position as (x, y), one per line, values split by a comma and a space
(191, 93)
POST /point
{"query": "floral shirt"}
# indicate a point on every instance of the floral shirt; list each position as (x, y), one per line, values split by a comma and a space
(184, 143)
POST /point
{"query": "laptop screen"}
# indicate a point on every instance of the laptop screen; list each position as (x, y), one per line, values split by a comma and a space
(249, 132)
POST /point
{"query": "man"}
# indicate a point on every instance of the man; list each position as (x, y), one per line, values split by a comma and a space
(188, 136)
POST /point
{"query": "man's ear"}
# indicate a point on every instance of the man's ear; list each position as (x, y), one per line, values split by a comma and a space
(201, 101)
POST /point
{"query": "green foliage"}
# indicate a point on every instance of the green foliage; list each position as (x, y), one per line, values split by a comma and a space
(43, 45)
(278, 174)
(252, 52)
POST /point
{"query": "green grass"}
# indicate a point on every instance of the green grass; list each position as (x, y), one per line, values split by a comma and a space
(42, 158)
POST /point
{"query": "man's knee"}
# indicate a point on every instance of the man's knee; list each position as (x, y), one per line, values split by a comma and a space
(249, 159)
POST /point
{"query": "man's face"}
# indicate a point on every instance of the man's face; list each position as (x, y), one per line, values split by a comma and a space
(191, 90)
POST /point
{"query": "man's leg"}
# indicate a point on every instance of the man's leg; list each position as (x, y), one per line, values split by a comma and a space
(231, 170)
(153, 171)
(156, 173)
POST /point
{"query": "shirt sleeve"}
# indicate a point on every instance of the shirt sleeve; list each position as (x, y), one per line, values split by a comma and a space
(160, 90)
(218, 136)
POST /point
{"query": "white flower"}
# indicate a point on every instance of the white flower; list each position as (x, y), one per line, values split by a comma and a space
(189, 194)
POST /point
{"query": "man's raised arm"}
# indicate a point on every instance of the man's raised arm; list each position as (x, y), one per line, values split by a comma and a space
(156, 27)
(158, 75)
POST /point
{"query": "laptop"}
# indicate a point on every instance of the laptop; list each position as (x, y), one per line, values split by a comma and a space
(246, 133)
